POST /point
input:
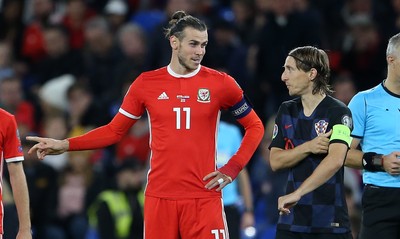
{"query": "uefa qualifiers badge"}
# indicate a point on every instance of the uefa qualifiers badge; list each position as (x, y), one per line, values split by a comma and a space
(203, 95)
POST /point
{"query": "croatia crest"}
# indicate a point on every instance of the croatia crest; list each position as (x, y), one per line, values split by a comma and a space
(203, 95)
(320, 127)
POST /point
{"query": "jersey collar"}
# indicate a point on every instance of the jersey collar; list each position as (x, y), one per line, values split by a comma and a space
(172, 73)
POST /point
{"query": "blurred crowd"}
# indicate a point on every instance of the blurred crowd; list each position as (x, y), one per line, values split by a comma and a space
(65, 66)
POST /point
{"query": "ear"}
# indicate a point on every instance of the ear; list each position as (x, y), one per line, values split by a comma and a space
(312, 74)
(173, 41)
(390, 59)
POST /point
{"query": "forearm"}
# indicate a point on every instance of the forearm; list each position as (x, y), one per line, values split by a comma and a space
(354, 159)
(252, 138)
(20, 194)
(324, 171)
(283, 159)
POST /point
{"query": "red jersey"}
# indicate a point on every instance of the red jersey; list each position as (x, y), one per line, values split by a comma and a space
(183, 113)
(10, 149)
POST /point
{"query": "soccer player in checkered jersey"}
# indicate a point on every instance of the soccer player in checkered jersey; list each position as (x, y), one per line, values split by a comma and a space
(183, 102)
(11, 153)
(311, 138)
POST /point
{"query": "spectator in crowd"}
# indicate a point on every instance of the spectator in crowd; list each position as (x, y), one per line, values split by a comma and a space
(118, 212)
(79, 184)
(13, 100)
(59, 59)
(77, 13)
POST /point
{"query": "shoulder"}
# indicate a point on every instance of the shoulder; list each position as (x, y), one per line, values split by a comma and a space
(212, 72)
(333, 102)
(154, 74)
(214, 75)
(291, 104)
(5, 116)
(370, 92)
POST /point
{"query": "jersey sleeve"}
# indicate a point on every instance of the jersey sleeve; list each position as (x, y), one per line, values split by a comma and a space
(342, 124)
(357, 107)
(132, 105)
(232, 93)
(277, 134)
(12, 146)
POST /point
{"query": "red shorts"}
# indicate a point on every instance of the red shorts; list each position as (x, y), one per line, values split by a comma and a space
(199, 218)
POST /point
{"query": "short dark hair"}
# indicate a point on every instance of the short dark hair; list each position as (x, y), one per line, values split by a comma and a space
(179, 21)
(308, 57)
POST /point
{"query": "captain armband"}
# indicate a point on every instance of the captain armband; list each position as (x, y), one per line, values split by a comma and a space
(373, 162)
(241, 109)
(341, 132)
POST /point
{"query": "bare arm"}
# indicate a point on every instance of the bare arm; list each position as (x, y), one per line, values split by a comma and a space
(325, 170)
(21, 199)
(390, 162)
(246, 192)
(354, 156)
(288, 158)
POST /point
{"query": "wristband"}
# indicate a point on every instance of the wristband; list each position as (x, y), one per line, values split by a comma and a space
(373, 162)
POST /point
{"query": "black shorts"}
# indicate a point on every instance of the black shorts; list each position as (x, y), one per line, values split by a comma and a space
(281, 234)
(381, 213)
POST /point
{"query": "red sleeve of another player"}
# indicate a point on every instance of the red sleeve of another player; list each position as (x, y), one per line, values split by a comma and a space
(103, 136)
(252, 138)
(12, 145)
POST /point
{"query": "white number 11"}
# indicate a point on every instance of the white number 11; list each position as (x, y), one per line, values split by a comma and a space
(177, 110)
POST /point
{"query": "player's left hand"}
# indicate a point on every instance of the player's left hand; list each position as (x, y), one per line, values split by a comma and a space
(286, 202)
(218, 180)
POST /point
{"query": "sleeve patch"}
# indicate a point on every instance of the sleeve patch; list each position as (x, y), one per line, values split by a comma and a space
(341, 133)
(347, 121)
(275, 132)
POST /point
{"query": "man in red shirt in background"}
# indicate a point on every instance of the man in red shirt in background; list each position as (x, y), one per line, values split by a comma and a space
(183, 102)
(11, 153)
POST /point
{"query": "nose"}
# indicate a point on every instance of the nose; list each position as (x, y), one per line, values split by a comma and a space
(284, 77)
(200, 50)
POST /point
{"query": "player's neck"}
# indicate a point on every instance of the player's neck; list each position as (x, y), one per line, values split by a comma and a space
(310, 102)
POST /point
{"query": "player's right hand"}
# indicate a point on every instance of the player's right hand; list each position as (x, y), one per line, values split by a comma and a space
(320, 144)
(47, 146)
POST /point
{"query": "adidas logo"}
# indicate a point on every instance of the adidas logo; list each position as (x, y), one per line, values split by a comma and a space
(163, 96)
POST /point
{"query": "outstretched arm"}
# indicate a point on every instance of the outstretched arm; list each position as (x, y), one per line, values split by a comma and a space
(97, 138)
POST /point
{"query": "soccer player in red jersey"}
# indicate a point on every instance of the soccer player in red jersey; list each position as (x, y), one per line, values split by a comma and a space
(11, 152)
(183, 102)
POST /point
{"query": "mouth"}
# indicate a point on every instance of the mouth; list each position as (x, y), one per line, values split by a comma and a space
(196, 61)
